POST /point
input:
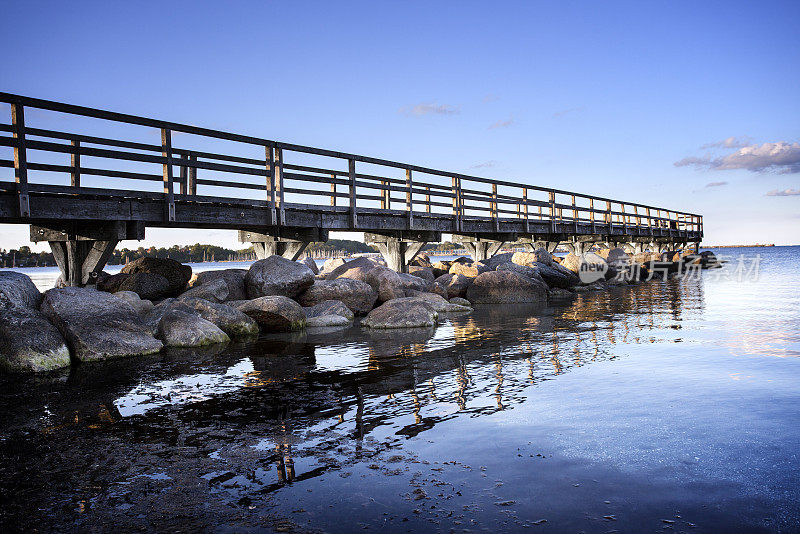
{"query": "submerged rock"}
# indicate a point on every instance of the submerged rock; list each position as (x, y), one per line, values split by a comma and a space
(277, 276)
(29, 342)
(329, 307)
(498, 287)
(440, 304)
(177, 274)
(17, 289)
(178, 328)
(355, 294)
(327, 320)
(275, 313)
(406, 312)
(559, 294)
(460, 302)
(233, 322)
(98, 325)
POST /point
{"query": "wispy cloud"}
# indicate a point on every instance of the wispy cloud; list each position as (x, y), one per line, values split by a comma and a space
(485, 165)
(730, 142)
(563, 112)
(716, 184)
(780, 158)
(430, 108)
(502, 123)
(491, 97)
(783, 193)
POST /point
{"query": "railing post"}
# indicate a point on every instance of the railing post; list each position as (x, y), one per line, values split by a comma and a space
(75, 163)
(574, 214)
(495, 214)
(591, 214)
(333, 190)
(191, 184)
(609, 218)
(183, 179)
(456, 204)
(166, 152)
(279, 185)
(269, 153)
(427, 199)
(351, 172)
(525, 203)
(410, 199)
(20, 158)
(552, 212)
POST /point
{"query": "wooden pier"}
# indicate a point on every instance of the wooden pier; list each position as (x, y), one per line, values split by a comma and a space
(102, 177)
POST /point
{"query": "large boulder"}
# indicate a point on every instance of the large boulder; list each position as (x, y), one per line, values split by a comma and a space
(329, 307)
(311, 264)
(409, 282)
(232, 278)
(356, 269)
(355, 294)
(406, 312)
(213, 291)
(97, 325)
(149, 286)
(17, 289)
(29, 342)
(178, 328)
(177, 274)
(540, 255)
(277, 276)
(321, 321)
(525, 270)
(230, 320)
(426, 273)
(455, 284)
(332, 264)
(105, 282)
(470, 270)
(501, 287)
(421, 260)
(439, 303)
(498, 259)
(275, 313)
(441, 267)
(709, 260)
(386, 282)
(556, 275)
(141, 306)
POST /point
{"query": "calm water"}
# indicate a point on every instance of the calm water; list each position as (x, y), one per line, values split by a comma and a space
(664, 406)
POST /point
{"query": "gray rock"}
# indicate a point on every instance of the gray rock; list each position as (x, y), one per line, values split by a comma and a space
(233, 279)
(332, 264)
(540, 255)
(177, 274)
(501, 287)
(355, 294)
(422, 260)
(275, 313)
(409, 282)
(327, 320)
(149, 286)
(439, 303)
(460, 302)
(406, 312)
(386, 282)
(421, 272)
(556, 276)
(28, 342)
(178, 328)
(230, 320)
(18, 290)
(105, 282)
(498, 259)
(142, 307)
(329, 307)
(439, 289)
(311, 264)
(441, 267)
(456, 284)
(98, 325)
(277, 276)
(559, 294)
(356, 269)
(213, 290)
(524, 270)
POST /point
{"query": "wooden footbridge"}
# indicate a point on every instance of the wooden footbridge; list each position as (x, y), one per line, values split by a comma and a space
(84, 179)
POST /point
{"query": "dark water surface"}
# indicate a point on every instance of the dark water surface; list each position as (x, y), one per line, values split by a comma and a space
(663, 406)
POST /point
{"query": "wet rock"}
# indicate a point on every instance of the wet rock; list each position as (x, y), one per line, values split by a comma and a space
(406, 312)
(560, 294)
(615, 257)
(355, 294)
(311, 264)
(232, 278)
(322, 321)
(540, 255)
(29, 342)
(178, 328)
(470, 270)
(460, 302)
(177, 274)
(97, 325)
(525, 270)
(277, 276)
(106, 282)
(228, 319)
(329, 307)
(141, 306)
(275, 313)
(17, 289)
(439, 303)
(425, 273)
(709, 260)
(499, 287)
(455, 284)
(556, 275)
(148, 286)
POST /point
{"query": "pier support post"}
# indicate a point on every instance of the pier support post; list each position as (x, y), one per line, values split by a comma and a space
(82, 248)
(399, 248)
(286, 242)
(549, 246)
(482, 247)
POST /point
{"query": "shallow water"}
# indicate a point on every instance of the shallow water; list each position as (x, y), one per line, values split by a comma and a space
(666, 405)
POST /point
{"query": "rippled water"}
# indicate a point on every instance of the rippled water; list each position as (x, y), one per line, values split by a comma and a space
(667, 405)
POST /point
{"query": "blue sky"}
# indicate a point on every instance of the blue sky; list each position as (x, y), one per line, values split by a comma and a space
(603, 98)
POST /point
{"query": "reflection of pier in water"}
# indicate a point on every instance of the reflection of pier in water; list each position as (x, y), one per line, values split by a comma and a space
(287, 407)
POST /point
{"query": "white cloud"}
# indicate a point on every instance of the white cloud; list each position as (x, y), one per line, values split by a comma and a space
(783, 193)
(485, 165)
(780, 158)
(502, 124)
(430, 108)
(730, 142)
(559, 114)
(716, 184)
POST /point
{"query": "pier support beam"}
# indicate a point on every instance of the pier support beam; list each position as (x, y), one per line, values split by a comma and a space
(549, 246)
(286, 242)
(399, 248)
(484, 246)
(82, 248)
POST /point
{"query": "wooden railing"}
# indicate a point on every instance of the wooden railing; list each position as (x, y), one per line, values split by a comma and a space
(279, 175)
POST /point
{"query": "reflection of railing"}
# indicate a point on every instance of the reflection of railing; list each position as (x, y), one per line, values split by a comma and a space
(330, 180)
